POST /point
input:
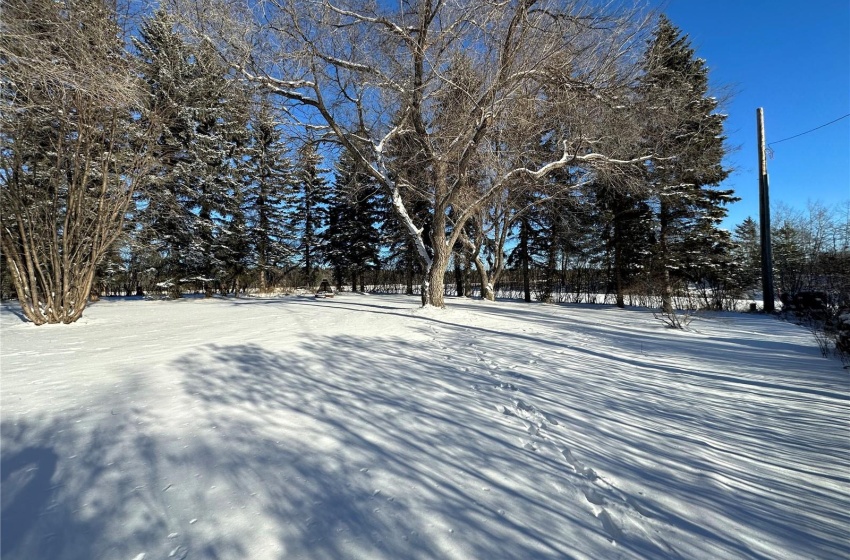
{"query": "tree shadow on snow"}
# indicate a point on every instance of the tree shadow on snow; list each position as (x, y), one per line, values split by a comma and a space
(386, 448)
(80, 489)
(391, 460)
(724, 437)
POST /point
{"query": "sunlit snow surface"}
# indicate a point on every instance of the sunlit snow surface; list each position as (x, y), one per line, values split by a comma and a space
(364, 427)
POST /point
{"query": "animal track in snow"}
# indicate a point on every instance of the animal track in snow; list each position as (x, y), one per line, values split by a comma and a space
(609, 526)
(605, 502)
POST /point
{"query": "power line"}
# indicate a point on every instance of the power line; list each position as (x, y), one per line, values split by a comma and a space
(808, 131)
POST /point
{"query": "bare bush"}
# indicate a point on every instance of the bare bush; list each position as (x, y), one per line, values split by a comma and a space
(72, 150)
(675, 320)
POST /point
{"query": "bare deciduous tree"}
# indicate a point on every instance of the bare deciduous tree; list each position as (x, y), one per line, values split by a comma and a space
(464, 82)
(71, 151)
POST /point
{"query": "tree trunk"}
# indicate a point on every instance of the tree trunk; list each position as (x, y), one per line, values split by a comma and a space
(549, 283)
(467, 281)
(409, 276)
(261, 264)
(458, 276)
(618, 267)
(433, 287)
(525, 258)
(666, 286)
(484, 278)
(338, 277)
(435, 274)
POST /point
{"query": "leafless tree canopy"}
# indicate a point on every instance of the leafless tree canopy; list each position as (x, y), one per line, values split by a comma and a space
(70, 152)
(487, 95)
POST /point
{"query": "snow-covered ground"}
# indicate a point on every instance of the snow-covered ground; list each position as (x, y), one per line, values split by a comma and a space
(365, 427)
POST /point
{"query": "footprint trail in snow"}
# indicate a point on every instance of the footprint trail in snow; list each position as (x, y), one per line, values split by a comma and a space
(620, 516)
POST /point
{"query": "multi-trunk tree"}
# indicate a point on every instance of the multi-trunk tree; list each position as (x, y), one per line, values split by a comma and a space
(370, 73)
(73, 149)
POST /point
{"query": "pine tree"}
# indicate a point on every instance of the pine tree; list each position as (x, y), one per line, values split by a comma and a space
(685, 132)
(268, 181)
(747, 255)
(194, 192)
(352, 239)
(308, 212)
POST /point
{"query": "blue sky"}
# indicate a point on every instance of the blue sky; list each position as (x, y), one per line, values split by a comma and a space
(793, 59)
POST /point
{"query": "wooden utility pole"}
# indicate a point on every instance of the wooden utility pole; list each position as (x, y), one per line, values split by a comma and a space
(764, 220)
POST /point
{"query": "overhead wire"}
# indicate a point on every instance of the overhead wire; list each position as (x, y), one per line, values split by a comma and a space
(808, 131)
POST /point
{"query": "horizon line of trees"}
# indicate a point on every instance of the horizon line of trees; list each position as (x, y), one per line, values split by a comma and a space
(550, 146)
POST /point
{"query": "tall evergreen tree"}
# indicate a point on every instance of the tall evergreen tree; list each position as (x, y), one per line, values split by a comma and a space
(308, 211)
(194, 190)
(685, 132)
(352, 239)
(268, 182)
(165, 218)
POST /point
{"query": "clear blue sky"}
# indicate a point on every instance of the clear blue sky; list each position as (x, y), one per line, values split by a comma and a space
(793, 59)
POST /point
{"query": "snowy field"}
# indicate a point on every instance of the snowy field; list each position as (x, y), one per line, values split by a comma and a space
(365, 427)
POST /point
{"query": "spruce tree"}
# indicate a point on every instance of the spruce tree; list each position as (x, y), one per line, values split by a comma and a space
(166, 220)
(308, 211)
(267, 183)
(193, 196)
(685, 132)
(352, 239)
(627, 235)
(746, 255)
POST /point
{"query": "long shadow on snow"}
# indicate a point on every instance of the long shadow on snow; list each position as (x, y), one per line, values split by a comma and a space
(385, 415)
(77, 490)
(772, 356)
(721, 442)
(731, 434)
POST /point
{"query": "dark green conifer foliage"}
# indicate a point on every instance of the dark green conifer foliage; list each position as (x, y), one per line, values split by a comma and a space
(192, 198)
(352, 239)
(267, 183)
(627, 236)
(746, 255)
(685, 132)
(308, 211)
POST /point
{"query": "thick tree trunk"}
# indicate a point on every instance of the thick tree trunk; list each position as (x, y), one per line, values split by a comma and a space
(434, 285)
